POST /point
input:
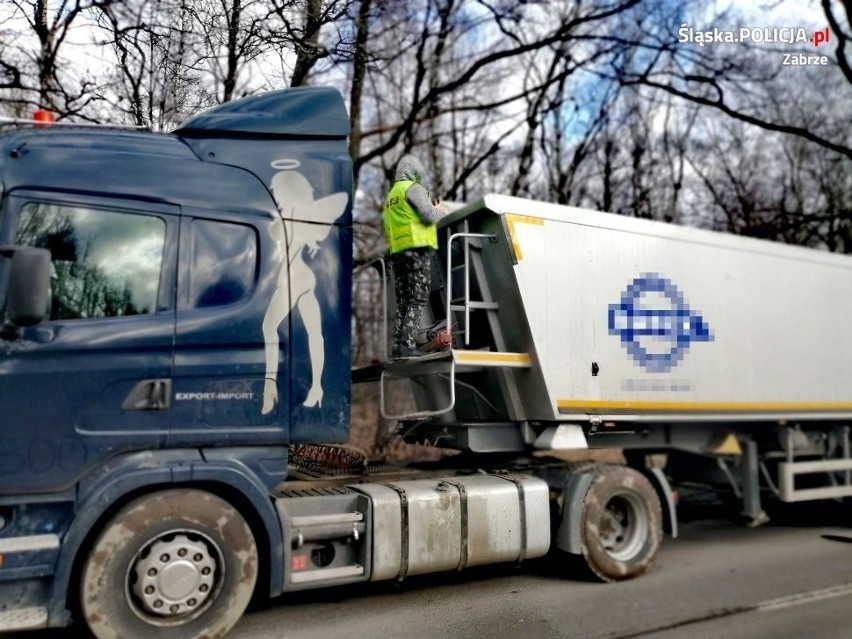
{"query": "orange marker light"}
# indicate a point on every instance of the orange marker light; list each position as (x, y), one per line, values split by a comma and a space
(43, 118)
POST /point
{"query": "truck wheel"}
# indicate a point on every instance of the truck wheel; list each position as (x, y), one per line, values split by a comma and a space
(622, 524)
(175, 564)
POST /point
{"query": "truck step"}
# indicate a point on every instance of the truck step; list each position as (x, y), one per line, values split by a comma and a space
(284, 490)
(326, 520)
(328, 538)
(493, 359)
(482, 306)
(23, 619)
(30, 543)
(327, 574)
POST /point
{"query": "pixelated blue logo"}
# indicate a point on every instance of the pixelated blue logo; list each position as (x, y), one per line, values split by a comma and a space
(655, 324)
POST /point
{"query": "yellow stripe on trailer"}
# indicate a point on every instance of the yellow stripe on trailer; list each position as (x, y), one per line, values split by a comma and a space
(495, 359)
(593, 405)
(511, 220)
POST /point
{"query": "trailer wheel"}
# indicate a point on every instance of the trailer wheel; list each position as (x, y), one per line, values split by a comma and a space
(622, 524)
(174, 564)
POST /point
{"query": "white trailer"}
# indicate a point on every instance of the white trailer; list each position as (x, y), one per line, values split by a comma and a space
(631, 319)
(574, 328)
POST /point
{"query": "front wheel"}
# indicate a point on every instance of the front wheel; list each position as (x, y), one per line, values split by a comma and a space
(175, 564)
(622, 523)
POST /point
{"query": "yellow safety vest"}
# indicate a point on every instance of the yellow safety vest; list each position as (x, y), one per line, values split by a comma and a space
(403, 227)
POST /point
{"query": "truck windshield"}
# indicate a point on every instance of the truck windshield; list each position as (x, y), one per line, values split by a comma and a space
(104, 263)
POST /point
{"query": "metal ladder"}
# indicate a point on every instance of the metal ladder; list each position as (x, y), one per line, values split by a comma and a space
(459, 308)
(471, 250)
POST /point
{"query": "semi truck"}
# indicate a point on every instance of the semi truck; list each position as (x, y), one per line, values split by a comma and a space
(175, 377)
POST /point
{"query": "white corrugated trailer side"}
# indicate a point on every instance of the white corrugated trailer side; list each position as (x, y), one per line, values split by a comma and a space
(634, 319)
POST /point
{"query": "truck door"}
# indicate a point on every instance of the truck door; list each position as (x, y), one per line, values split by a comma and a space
(219, 367)
(93, 379)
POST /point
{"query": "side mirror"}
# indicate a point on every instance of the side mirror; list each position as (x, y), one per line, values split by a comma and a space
(29, 286)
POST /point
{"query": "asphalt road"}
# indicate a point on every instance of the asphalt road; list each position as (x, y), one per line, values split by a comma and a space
(787, 580)
(790, 579)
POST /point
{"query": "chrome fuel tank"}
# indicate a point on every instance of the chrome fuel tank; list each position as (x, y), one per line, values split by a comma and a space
(431, 525)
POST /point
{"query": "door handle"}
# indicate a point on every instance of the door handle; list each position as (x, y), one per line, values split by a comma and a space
(149, 394)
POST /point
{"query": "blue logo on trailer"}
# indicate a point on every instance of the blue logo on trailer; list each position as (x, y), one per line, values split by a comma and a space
(655, 324)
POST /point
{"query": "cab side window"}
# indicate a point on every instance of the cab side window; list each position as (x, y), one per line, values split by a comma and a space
(224, 263)
(104, 263)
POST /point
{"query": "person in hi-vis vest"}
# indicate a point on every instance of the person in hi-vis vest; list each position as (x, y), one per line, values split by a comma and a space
(410, 216)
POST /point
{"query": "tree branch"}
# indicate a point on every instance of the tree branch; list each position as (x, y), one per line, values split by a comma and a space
(719, 103)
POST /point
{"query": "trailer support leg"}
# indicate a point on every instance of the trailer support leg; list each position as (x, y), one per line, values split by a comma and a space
(752, 513)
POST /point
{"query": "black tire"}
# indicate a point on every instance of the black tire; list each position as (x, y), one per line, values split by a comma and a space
(175, 564)
(622, 524)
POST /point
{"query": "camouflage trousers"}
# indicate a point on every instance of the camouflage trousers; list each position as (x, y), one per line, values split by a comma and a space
(412, 274)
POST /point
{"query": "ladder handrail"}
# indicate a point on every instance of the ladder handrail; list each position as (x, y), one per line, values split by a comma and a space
(452, 238)
(384, 273)
(423, 413)
(384, 309)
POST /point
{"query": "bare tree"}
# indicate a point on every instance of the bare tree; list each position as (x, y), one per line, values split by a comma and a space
(231, 35)
(31, 61)
(730, 80)
(160, 76)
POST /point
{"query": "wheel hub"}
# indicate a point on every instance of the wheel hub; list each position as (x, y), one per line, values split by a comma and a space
(175, 576)
(623, 529)
(614, 526)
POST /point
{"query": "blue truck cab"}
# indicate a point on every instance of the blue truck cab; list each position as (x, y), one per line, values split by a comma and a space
(177, 312)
